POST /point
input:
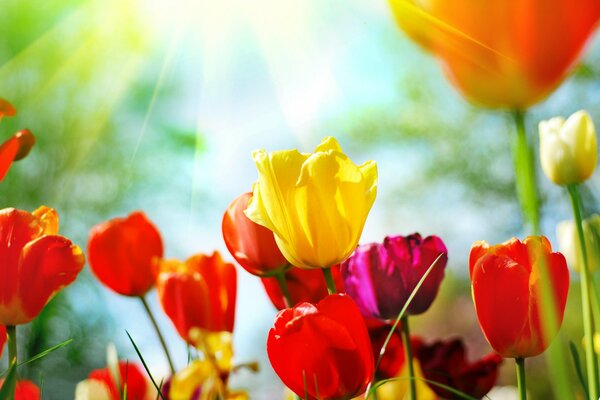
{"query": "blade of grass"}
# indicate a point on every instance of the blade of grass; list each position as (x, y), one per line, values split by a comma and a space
(7, 392)
(46, 352)
(137, 350)
(578, 370)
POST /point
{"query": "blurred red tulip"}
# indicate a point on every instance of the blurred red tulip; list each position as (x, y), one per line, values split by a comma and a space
(502, 53)
(253, 246)
(305, 285)
(445, 362)
(506, 287)
(27, 390)
(198, 293)
(322, 348)
(37, 263)
(130, 376)
(393, 359)
(17, 146)
(123, 253)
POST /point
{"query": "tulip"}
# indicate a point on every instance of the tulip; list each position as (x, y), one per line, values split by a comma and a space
(198, 293)
(17, 146)
(502, 53)
(305, 285)
(37, 263)
(568, 149)
(101, 384)
(322, 350)
(27, 390)
(445, 362)
(315, 204)
(253, 246)
(123, 252)
(381, 277)
(568, 242)
(507, 292)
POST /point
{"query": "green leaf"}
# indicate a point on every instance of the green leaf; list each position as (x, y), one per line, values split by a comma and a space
(7, 392)
(577, 362)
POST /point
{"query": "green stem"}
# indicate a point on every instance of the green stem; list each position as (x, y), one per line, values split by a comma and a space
(287, 297)
(11, 333)
(329, 279)
(525, 175)
(520, 362)
(158, 333)
(588, 320)
(412, 387)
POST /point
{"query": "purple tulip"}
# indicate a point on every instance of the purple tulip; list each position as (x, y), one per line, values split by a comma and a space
(381, 277)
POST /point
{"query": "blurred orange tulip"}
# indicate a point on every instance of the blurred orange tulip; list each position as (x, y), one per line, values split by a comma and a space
(123, 252)
(36, 263)
(502, 53)
(198, 293)
(17, 146)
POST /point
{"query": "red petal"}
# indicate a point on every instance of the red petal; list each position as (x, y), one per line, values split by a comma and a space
(48, 264)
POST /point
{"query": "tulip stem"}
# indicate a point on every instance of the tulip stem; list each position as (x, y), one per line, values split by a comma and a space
(412, 387)
(11, 333)
(158, 333)
(287, 297)
(588, 320)
(520, 362)
(525, 174)
(329, 279)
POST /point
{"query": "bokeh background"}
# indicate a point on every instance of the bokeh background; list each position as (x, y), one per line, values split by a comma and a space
(157, 105)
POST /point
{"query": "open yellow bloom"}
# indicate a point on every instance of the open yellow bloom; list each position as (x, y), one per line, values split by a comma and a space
(568, 242)
(315, 204)
(568, 149)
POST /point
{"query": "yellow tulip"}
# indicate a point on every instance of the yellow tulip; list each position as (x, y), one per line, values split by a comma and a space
(568, 242)
(568, 149)
(315, 204)
(397, 388)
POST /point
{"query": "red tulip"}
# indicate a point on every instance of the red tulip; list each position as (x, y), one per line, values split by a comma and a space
(323, 349)
(305, 285)
(253, 246)
(393, 359)
(198, 293)
(123, 253)
(506, 287)
(502, 53)
(17, 146)
(445, 362)
(130, 376)
(36, 263)
(27, 390)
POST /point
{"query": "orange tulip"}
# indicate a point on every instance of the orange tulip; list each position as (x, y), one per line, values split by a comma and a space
(507, 292)
(253, 246)
(123, 253)
(36, 263)
(17, 146)
(502, 53)
(198, 293)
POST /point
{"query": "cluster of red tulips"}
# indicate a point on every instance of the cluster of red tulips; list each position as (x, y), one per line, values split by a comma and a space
(343, 327)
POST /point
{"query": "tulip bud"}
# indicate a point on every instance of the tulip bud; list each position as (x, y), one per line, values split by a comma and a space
(568, 242)
(568, 149)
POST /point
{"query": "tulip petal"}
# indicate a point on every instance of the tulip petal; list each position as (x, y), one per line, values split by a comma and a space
(500, 284)
(8, 152)
(48, 264)
(17, 228)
